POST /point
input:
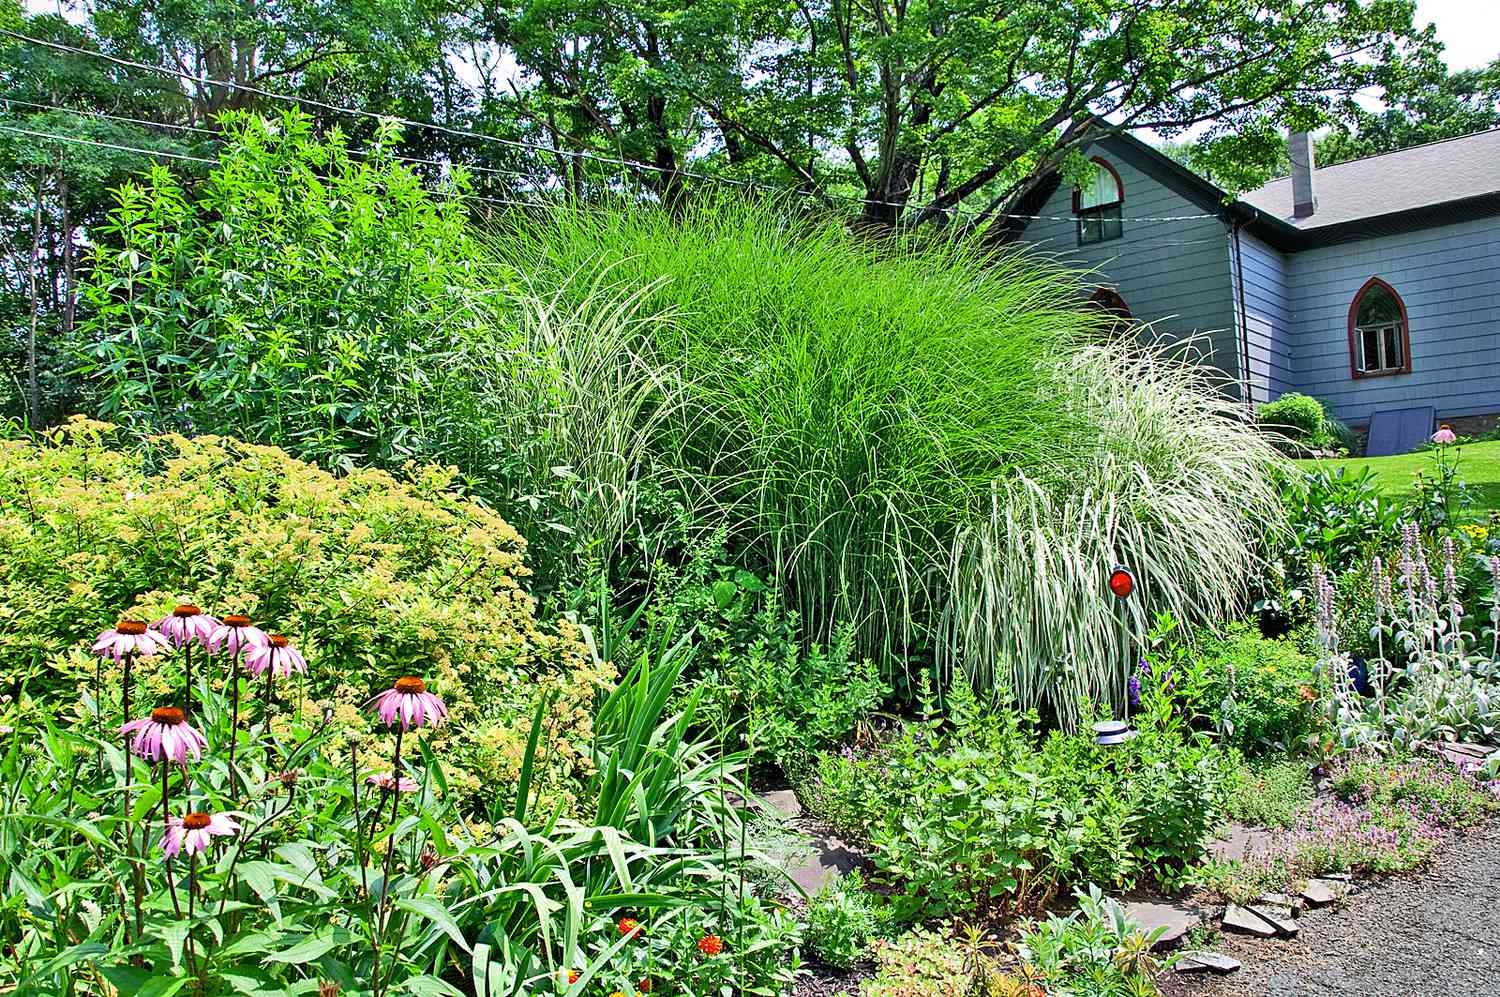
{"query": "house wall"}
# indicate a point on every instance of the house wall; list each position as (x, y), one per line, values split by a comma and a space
(1267, 317)
(1174, 275)
(1449, 279)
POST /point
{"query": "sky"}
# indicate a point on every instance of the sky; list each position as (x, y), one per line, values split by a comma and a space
(1469, 30)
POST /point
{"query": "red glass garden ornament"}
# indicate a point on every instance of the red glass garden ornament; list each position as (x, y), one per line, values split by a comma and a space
(1121, 581)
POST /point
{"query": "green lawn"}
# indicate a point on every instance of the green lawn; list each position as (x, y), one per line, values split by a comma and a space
(1479, 466)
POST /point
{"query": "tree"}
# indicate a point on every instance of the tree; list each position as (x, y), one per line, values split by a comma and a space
(1460, 104)
(921, 107)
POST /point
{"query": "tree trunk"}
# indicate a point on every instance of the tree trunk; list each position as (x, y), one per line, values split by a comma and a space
(33, 388)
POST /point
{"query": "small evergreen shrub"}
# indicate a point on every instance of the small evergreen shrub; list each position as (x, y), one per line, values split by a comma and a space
(1297, 417)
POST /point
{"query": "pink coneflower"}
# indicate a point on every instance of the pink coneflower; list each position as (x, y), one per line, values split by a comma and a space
(391, 784)
(276, 655)
(192, 833)
(410, 702)
(165, 736)
(1444, 435)
(187, 624)
(129, 637)
(235, 634)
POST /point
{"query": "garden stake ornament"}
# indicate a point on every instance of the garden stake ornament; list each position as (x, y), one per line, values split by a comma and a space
(1108, 733)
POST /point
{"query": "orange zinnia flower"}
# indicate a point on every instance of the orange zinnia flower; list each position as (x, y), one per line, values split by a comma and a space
(710, 945)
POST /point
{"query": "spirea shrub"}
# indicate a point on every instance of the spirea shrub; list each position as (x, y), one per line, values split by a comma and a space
(371, 576)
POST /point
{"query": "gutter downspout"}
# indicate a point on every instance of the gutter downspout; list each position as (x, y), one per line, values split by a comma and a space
(1246, 390)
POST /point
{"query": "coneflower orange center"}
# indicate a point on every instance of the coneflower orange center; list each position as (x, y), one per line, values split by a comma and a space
(195, 822)
(169, 715)
(277, 640)
(185, 610)
(133, 628)
(235, 620)
(410, 685)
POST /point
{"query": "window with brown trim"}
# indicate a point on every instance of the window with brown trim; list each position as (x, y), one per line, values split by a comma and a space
(1097, 204)
(1379, 335)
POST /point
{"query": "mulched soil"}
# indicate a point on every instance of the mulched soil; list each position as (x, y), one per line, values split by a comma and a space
(1433, 934)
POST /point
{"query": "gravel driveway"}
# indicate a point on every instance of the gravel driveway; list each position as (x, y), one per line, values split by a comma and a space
(1429, 935)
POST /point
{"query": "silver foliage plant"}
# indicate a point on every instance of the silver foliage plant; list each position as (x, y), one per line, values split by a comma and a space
(1433, 677)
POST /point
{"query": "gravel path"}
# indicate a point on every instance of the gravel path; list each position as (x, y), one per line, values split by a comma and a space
(1434, 934)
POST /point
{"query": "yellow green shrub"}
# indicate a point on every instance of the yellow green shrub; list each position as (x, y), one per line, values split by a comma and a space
(370, 575)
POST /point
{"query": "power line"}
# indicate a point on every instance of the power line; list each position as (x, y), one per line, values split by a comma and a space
(202, 82)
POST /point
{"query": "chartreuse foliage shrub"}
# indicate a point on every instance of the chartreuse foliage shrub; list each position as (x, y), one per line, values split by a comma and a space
(1262, 695)
(371, 575)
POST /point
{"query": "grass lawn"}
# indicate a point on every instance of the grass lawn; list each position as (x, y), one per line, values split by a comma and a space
(1479, 466)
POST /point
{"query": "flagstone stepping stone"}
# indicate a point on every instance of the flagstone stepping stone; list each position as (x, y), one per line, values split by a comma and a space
(1280, 921)
(1465, 756)
(785, 801)
(1240, 842)
(1322, 892)
(1175, 920)
(1199, 962)
(1245, 921)
(1291, 904)
(831, 858)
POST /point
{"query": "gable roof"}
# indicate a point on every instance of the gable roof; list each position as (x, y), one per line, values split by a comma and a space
(1419, 178)
(1427, 185)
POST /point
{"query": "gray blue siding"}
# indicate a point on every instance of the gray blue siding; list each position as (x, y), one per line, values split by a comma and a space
(1449, 279)
(1267, 319)
(1175, 275)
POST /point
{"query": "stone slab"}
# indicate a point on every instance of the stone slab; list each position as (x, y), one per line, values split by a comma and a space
(831, 858)
(1200, 962)
(1241, 919)
(1322, 892)
(1291, 904)
(1240, 842)
(1277, 918)
(1174, 919)
(785, 801)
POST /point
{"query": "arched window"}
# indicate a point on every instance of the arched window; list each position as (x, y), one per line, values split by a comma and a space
(1379, 337)
(1109, 301)
(1097, 204)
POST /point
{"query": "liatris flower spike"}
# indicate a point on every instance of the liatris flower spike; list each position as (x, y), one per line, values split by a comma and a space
(409, 702)
(165, 736)
(187, 623)
(391, 784)
(129, 637)
(276, 654)
(194, 832)
(236, 634)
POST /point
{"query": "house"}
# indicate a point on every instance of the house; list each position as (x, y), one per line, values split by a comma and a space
(1373, 285)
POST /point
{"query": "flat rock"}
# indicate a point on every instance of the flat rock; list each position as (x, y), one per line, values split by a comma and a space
(1241, 919)
(1322, 892)
(831, 858)
(1291, 904)
(1281, 923)
(785, 801)
(1175, 920)
(1465, 756)
(1337, 877)
(1199, 962)
(1240, 842)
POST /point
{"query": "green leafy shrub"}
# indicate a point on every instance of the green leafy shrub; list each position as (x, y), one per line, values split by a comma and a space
(980, 819)
(371, 575)
(1296, 417)
(843, 920)
(1096, 949)
(1262, 695)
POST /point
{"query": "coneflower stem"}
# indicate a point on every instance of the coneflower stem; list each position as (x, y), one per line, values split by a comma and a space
(187, 680)
(390, 854)
(99, 715)
(136, 872)
(234, 708)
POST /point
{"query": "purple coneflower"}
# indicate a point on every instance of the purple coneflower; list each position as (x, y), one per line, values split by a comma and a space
(193, 832)
(130, 637)
(236, 634)
(276, 655)
(187, 624)
(409, 701)
(391, 784)
(165, 736)
(1444, 435)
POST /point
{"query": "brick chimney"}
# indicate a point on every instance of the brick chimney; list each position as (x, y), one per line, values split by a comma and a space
(1304, 196)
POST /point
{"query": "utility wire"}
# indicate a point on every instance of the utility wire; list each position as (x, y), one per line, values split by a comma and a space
(534, 147)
